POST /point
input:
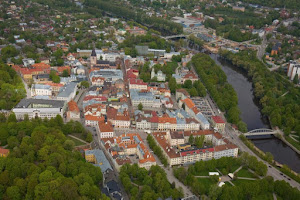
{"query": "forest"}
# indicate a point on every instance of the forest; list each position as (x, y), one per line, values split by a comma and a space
(215, 81)
(163, 25)
(11, 86)
(292, 4)
(42, 163)
(260, 189)
(283, 110)
(149, 184)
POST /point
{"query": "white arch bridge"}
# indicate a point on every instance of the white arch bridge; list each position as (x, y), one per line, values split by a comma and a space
(261, 131)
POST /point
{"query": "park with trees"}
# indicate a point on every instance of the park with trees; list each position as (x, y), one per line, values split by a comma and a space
(149, 184)
(43, 164)
(261, 188)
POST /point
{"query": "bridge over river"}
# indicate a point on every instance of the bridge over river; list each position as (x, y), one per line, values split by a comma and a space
(261, 131)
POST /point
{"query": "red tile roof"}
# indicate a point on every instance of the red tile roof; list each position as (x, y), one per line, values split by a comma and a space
(218, 119)
(4, 151)
(188, 102)
(73, 106)
(105, 126)
(136, 82)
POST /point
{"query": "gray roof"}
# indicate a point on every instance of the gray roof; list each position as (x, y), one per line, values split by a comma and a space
(25, 103)
(101, 160)
(40, 86)
(67, 89)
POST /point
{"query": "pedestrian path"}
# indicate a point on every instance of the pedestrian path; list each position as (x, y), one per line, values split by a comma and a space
(72, 136)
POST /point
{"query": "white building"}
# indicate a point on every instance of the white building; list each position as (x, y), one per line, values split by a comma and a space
(159, 76)
(41, 90)
(105, 130)
(38, 108)
(293, 70)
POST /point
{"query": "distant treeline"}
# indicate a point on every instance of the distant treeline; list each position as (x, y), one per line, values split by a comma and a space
(160, 24)
(292, 4)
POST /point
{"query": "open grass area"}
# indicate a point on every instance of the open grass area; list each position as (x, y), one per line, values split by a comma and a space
(202, 173)
(207, 182)
(245, 173)
(77, 142)
(239, 181)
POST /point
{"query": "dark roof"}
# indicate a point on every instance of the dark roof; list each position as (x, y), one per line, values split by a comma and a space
(93, 53)
(25, 103)
(113, 186)
(117, 196)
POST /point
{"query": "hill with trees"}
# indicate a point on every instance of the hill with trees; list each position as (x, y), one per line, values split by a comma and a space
(42, 163)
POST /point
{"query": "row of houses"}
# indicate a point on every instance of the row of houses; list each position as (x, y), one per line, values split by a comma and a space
(176, 149)
(127, 148)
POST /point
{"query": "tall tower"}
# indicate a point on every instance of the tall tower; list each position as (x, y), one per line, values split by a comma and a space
(93, 58)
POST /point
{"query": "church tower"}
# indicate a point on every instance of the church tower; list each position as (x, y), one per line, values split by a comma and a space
(93, 58)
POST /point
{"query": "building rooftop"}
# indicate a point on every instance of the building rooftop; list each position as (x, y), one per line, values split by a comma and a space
(67, 90)
(39, 103)
(218, 119)
(101, 160)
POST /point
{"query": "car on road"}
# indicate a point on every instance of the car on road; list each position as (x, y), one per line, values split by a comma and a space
(281, 174)
(289, 179)
(270, 166)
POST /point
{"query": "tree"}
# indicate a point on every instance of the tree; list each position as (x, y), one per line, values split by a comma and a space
(269, 157)
(193, 92)
(140, 106)
(65, 73)
(296, 79)
(89, 137)
(85, 84)
(54, 77)
(188, 84)
(191, 139)
(12, 118)
(172, 85)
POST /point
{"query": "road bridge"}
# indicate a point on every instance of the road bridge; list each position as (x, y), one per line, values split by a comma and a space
(175, 37)
(261, 131)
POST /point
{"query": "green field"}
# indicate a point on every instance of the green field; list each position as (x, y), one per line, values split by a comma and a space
(77, 142)
(207, 182)
(245, 173)
(239, 181)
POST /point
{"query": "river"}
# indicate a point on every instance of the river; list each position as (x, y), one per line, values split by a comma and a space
(251, 115)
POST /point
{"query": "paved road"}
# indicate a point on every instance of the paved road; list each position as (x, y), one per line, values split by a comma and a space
(28, 92)
(262, 48)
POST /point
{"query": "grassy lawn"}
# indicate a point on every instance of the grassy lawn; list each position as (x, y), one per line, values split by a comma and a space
(207, 182)
(202, 173)
(245, 173)
(234, 167)
(239, 181)
(77, 142)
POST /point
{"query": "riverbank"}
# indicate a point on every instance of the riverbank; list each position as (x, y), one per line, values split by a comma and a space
(277, 107)
(283, 139)
(283, 168)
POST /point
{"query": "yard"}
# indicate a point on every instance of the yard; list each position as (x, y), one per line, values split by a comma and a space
(245, 173)
(77, 142)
